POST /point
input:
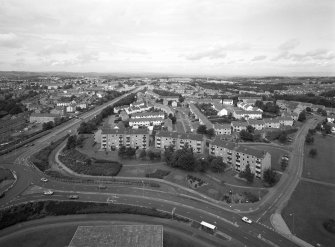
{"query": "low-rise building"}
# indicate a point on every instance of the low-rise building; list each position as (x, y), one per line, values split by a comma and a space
(271, 123)
(145, 121)
(257, 124)
(148, 115)
(238, 126)
(42, 117)
(238, 157)
(165, 139)
(116, 138)
(222, 129)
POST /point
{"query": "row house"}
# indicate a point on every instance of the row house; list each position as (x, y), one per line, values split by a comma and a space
(285, 120)
(120, 108)
(271, 123)
(250, 100)
(145, 121)
(116, 138)
(239, 126)
(227, 102)
(222, 129)
(148, 115)
(239, 114)
(137, 109)
(257, 124)
(238, 157)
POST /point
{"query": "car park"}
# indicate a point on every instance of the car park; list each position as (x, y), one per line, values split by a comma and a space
(48, 192)
(246, 220)
(44, 180)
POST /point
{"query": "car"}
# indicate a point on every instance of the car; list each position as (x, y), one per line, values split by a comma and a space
(44, 180)
(101, 186)
(73, 197)
(247, 220)
(48, 192)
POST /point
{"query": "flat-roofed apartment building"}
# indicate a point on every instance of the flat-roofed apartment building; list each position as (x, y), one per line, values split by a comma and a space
(165, 139)
(239, 156)
(116, 138)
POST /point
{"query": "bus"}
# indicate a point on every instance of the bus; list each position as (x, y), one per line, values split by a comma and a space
(207, 227)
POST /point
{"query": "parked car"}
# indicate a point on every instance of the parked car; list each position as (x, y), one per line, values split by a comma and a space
(44, 180)
(247, 220)
(73, 197)
(48, 192)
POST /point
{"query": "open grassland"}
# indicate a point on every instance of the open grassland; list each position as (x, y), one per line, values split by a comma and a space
(322, 166)
(311, 205)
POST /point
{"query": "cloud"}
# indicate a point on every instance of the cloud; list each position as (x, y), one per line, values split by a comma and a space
(289, 45)
(316, 55)
(210, 53)
(258, 58)
(79, 59)
(10, 40)
(58, 48)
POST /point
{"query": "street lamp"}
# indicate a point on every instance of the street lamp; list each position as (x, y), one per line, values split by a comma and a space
(292, 214)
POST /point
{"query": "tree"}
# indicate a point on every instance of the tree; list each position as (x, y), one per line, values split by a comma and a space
(247, 174)
(250, 129)
(142, 154)
(122, 151)
(80, 141)
(151, 155)
(327, 128)
(130, 152)
(201, 165)
(302, 116)
(313, 152)
(217, 165)
(48, 125)
(210, 133)
(71, 142)
(270, 176)
(308, 109)
(309, 139)
(168, 153)
(311, 131)
(202, 129)
(246, 136)
(318, 127)
(282, 137)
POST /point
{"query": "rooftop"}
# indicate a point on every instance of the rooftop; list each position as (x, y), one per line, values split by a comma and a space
(118, 236)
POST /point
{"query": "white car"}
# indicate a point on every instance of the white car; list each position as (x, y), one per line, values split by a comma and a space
(48, 192)
(247, 220)
(44, 179)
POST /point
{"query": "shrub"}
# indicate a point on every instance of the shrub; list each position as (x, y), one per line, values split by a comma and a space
(329, 225)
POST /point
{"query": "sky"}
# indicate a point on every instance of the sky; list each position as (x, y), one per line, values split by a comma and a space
(186, 37)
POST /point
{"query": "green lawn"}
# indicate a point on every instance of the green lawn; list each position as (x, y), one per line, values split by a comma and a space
(52, 236)
(5, 174)
(311, 204)
(276, 154)
(322, 166)
(61, 236)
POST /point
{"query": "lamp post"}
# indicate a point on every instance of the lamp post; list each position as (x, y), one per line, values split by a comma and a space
(292, 214)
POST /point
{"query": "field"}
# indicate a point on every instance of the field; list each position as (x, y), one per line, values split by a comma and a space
(311, 205)
(322, 166)
(276, 154)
